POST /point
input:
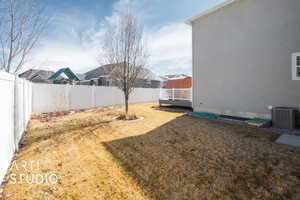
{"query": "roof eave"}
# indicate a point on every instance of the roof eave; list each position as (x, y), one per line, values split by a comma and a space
(209, 11)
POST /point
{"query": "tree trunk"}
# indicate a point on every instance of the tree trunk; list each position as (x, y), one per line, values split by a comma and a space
(126, 104)
(11, 36)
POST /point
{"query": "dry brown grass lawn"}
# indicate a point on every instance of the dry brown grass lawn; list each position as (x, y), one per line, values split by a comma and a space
(165, 156)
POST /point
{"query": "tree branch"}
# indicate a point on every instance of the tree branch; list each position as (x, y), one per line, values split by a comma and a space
(123, 46)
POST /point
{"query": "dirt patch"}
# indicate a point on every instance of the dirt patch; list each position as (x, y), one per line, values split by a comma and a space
(127, 117)
(167, 155)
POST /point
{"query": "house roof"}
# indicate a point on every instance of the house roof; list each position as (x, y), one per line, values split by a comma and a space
(33, 74)
(210, 11)
(68, 72)
(176, 76)
(163, 78)
(150, 75)
(80, 76)
(180, 78)
(106, 70)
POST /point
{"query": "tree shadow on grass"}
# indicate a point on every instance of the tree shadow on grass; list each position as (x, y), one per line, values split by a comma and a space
(192, 158)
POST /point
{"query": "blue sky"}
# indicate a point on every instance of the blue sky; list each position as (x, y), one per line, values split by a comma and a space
(73, 39)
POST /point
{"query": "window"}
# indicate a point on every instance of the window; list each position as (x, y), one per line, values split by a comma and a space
(296, 66)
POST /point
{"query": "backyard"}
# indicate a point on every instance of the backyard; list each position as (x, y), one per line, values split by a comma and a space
(168, 155)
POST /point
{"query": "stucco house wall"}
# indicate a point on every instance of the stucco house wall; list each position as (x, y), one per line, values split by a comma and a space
(242, 57)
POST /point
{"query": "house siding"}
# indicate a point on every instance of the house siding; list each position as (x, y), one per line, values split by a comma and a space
(242, 58)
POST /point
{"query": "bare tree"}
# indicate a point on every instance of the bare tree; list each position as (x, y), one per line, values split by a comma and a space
(124, 46)
(21, 24)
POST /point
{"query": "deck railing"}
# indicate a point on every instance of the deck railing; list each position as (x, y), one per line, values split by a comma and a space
(176, 94)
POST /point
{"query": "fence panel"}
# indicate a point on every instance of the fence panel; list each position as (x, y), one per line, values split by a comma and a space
(15, 106)
(144, 95)
(52, 98)
(49, 97)
(80, 97)
(107, 96)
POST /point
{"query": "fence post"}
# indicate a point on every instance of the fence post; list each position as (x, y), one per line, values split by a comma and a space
(24, 102)
(14, 110)
(173, 91)
(67, 97)
(160, 90)
(93, 96)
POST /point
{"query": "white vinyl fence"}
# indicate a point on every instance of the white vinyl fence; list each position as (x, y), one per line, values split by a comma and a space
(15, 111)
(52, 98)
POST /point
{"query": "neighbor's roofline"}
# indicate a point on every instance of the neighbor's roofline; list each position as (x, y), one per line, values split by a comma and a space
(209, 11)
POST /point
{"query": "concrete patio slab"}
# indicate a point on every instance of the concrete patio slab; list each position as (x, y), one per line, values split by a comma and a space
(289, 140)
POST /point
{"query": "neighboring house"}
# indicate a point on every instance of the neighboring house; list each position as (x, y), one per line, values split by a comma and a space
(179, 82)
(245, 58)
(37, 76)
(65, 76)
(101, 76)
(62, 76)
(165, 78)
(149, 80)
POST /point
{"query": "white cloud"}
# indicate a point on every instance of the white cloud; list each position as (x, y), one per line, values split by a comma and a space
(54, 56)
(170, 47)
(76, 43)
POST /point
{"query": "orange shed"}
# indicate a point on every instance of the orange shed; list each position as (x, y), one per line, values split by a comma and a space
(185, 82)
